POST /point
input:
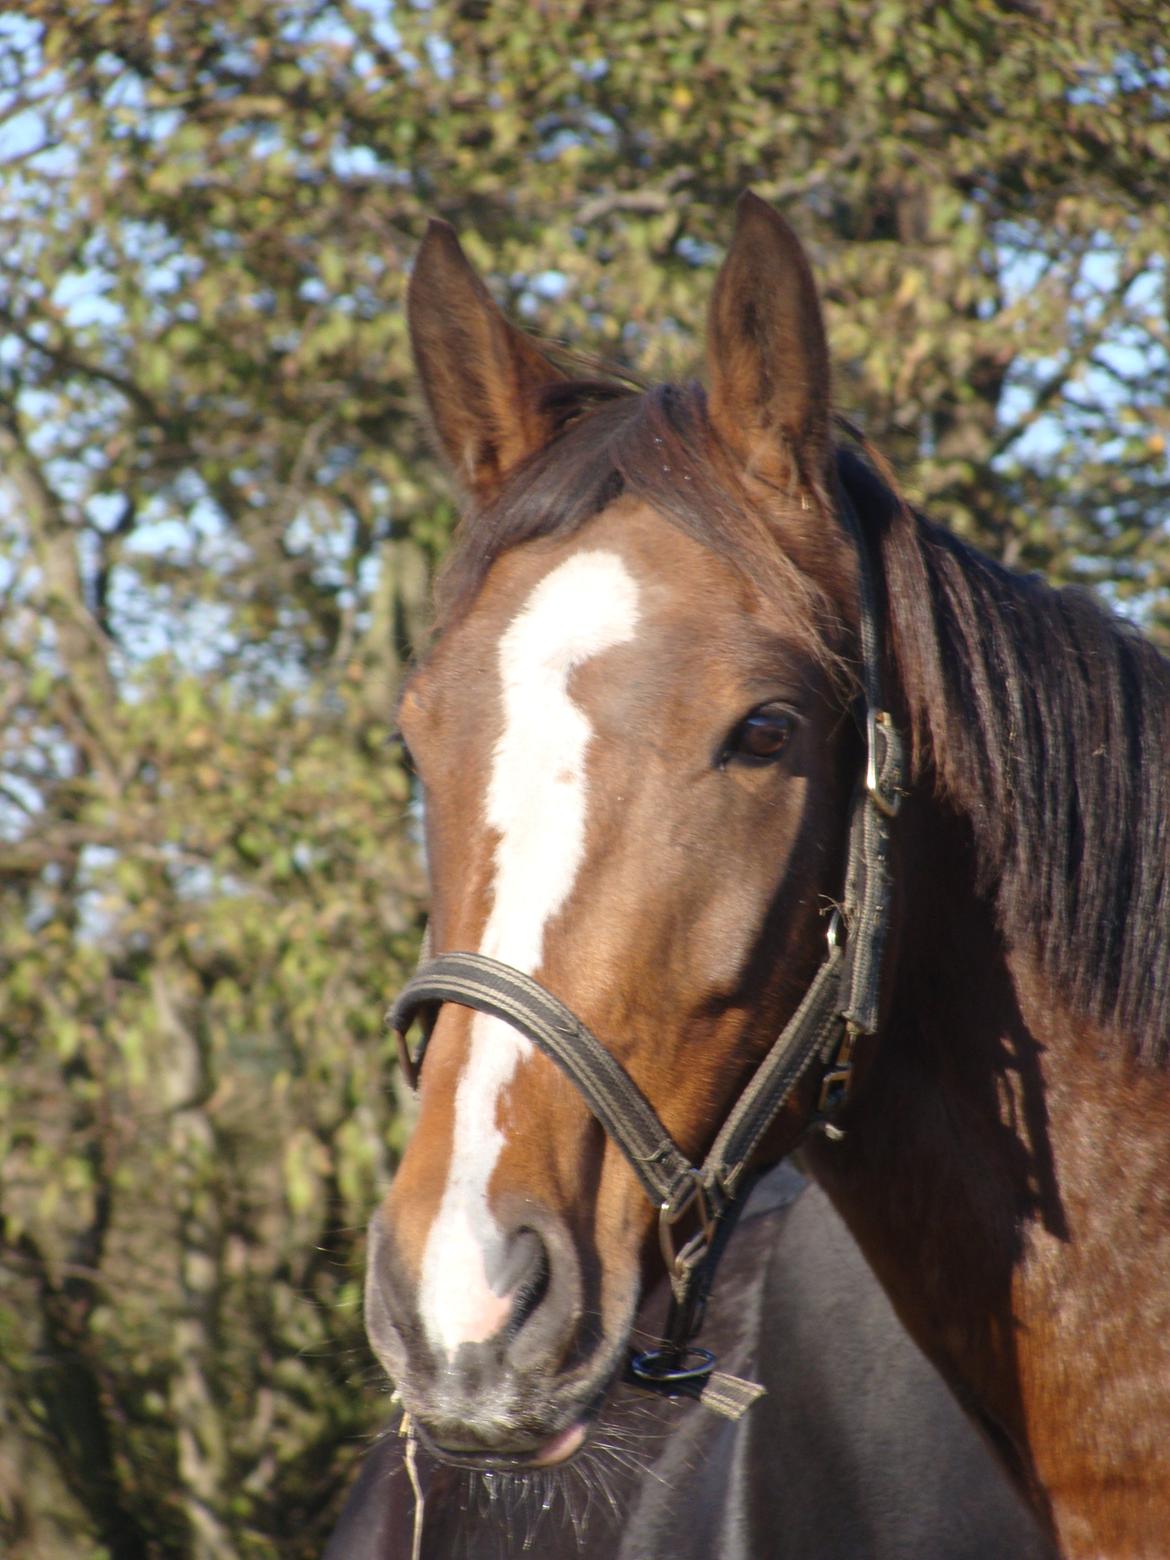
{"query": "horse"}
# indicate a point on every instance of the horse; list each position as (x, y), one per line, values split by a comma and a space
(856, 1450)
(761, 811)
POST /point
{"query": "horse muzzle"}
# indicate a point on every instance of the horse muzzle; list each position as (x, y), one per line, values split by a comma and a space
(514, 1370)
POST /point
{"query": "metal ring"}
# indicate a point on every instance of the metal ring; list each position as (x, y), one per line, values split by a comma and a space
(667, 1367)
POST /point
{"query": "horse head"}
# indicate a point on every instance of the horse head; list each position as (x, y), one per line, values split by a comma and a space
(634, 733)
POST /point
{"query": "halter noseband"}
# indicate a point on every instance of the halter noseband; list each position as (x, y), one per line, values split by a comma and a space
(840, 1005)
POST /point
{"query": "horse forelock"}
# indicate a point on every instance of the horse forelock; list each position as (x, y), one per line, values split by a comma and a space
(656, 445)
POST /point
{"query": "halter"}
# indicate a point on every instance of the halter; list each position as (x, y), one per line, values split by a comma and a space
(840, 1006)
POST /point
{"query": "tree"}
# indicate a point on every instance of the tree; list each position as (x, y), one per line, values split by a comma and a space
(220, 517)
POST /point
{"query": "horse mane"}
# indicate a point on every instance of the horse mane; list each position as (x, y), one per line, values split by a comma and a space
(1039, 716)
(1045, 720)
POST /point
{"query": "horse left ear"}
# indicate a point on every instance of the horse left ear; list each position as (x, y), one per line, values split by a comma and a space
(767, 358)
(482, 378)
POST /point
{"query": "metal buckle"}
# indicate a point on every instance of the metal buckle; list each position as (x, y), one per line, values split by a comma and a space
(407, 1062)
(838, 1081)
(889, 801)
(671, 1367)
(411, 1061)
(680, 1260)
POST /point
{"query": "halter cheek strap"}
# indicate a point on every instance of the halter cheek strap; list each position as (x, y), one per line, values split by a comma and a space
(840, 1005)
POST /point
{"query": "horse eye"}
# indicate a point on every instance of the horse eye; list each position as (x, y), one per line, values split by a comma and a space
(762, 737)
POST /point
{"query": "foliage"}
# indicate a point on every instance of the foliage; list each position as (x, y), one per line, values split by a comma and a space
(219, 519)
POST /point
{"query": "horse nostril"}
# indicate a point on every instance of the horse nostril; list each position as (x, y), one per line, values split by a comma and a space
(545, 1306)
(533, 1270)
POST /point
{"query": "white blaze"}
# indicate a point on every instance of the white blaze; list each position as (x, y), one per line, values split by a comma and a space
(536, 803)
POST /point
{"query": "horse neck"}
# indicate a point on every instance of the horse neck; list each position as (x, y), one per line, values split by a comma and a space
(1005, 1171)
(947, 1155)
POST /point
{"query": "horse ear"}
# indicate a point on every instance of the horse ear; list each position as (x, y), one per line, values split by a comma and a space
(767, 359)
(482, 378)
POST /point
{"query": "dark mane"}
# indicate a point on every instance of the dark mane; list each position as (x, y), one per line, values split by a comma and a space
(1034, 712)
(1046, 721)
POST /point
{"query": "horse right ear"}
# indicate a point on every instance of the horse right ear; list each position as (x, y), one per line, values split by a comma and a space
(482, 378)
(767, 358)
